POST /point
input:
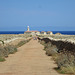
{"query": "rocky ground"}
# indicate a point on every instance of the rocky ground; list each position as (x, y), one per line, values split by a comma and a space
(69, 38)
(8, 38)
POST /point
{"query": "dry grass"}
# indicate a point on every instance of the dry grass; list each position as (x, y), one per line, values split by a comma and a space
(22, 42)
(5, 37)
(2, 59)
(66, 63)
(65, 59)
(7, 49)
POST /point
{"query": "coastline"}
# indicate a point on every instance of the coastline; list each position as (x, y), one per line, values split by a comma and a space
(54, 32)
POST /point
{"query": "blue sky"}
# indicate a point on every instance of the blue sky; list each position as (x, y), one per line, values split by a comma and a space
(47, 15)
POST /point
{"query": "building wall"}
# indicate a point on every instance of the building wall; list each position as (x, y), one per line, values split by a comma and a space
(38, 33)
(44, 33)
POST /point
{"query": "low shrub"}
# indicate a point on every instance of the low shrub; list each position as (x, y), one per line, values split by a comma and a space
(30, 35)
(47, 46)
(2, 42)
(6, 50)
(2, 59)
(1, 51)
(51, 50)
(11, 49)
(66, 62)
(63, 53)
(68, 70)
(22, 43)
(42, 42)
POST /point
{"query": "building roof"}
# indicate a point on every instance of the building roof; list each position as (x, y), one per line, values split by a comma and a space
(49, 31)
(42, 31)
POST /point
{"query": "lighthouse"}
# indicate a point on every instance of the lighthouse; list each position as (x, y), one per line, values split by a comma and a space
(28, 28)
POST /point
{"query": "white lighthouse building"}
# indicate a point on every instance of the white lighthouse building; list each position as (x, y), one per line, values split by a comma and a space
(31, 32)
(37, 32)
(28, 28)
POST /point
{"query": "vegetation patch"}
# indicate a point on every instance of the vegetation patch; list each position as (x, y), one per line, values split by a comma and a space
(11, 49)
(63, 54)
(5, 50)
(22, 42)
(69, 71)
(2, 42)
(2, 59)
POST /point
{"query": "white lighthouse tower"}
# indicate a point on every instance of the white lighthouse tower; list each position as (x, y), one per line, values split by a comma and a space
(28, 28)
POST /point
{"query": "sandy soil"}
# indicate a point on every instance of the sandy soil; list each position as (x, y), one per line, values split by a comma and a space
(29, 60)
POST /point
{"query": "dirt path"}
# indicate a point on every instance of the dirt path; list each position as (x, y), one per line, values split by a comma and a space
(29, 60)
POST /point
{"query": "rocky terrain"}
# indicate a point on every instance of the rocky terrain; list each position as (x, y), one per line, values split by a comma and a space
(12, 37)
(62, 51)
(56, 37)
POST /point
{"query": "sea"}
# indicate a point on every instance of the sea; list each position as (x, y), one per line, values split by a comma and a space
(54, 32)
